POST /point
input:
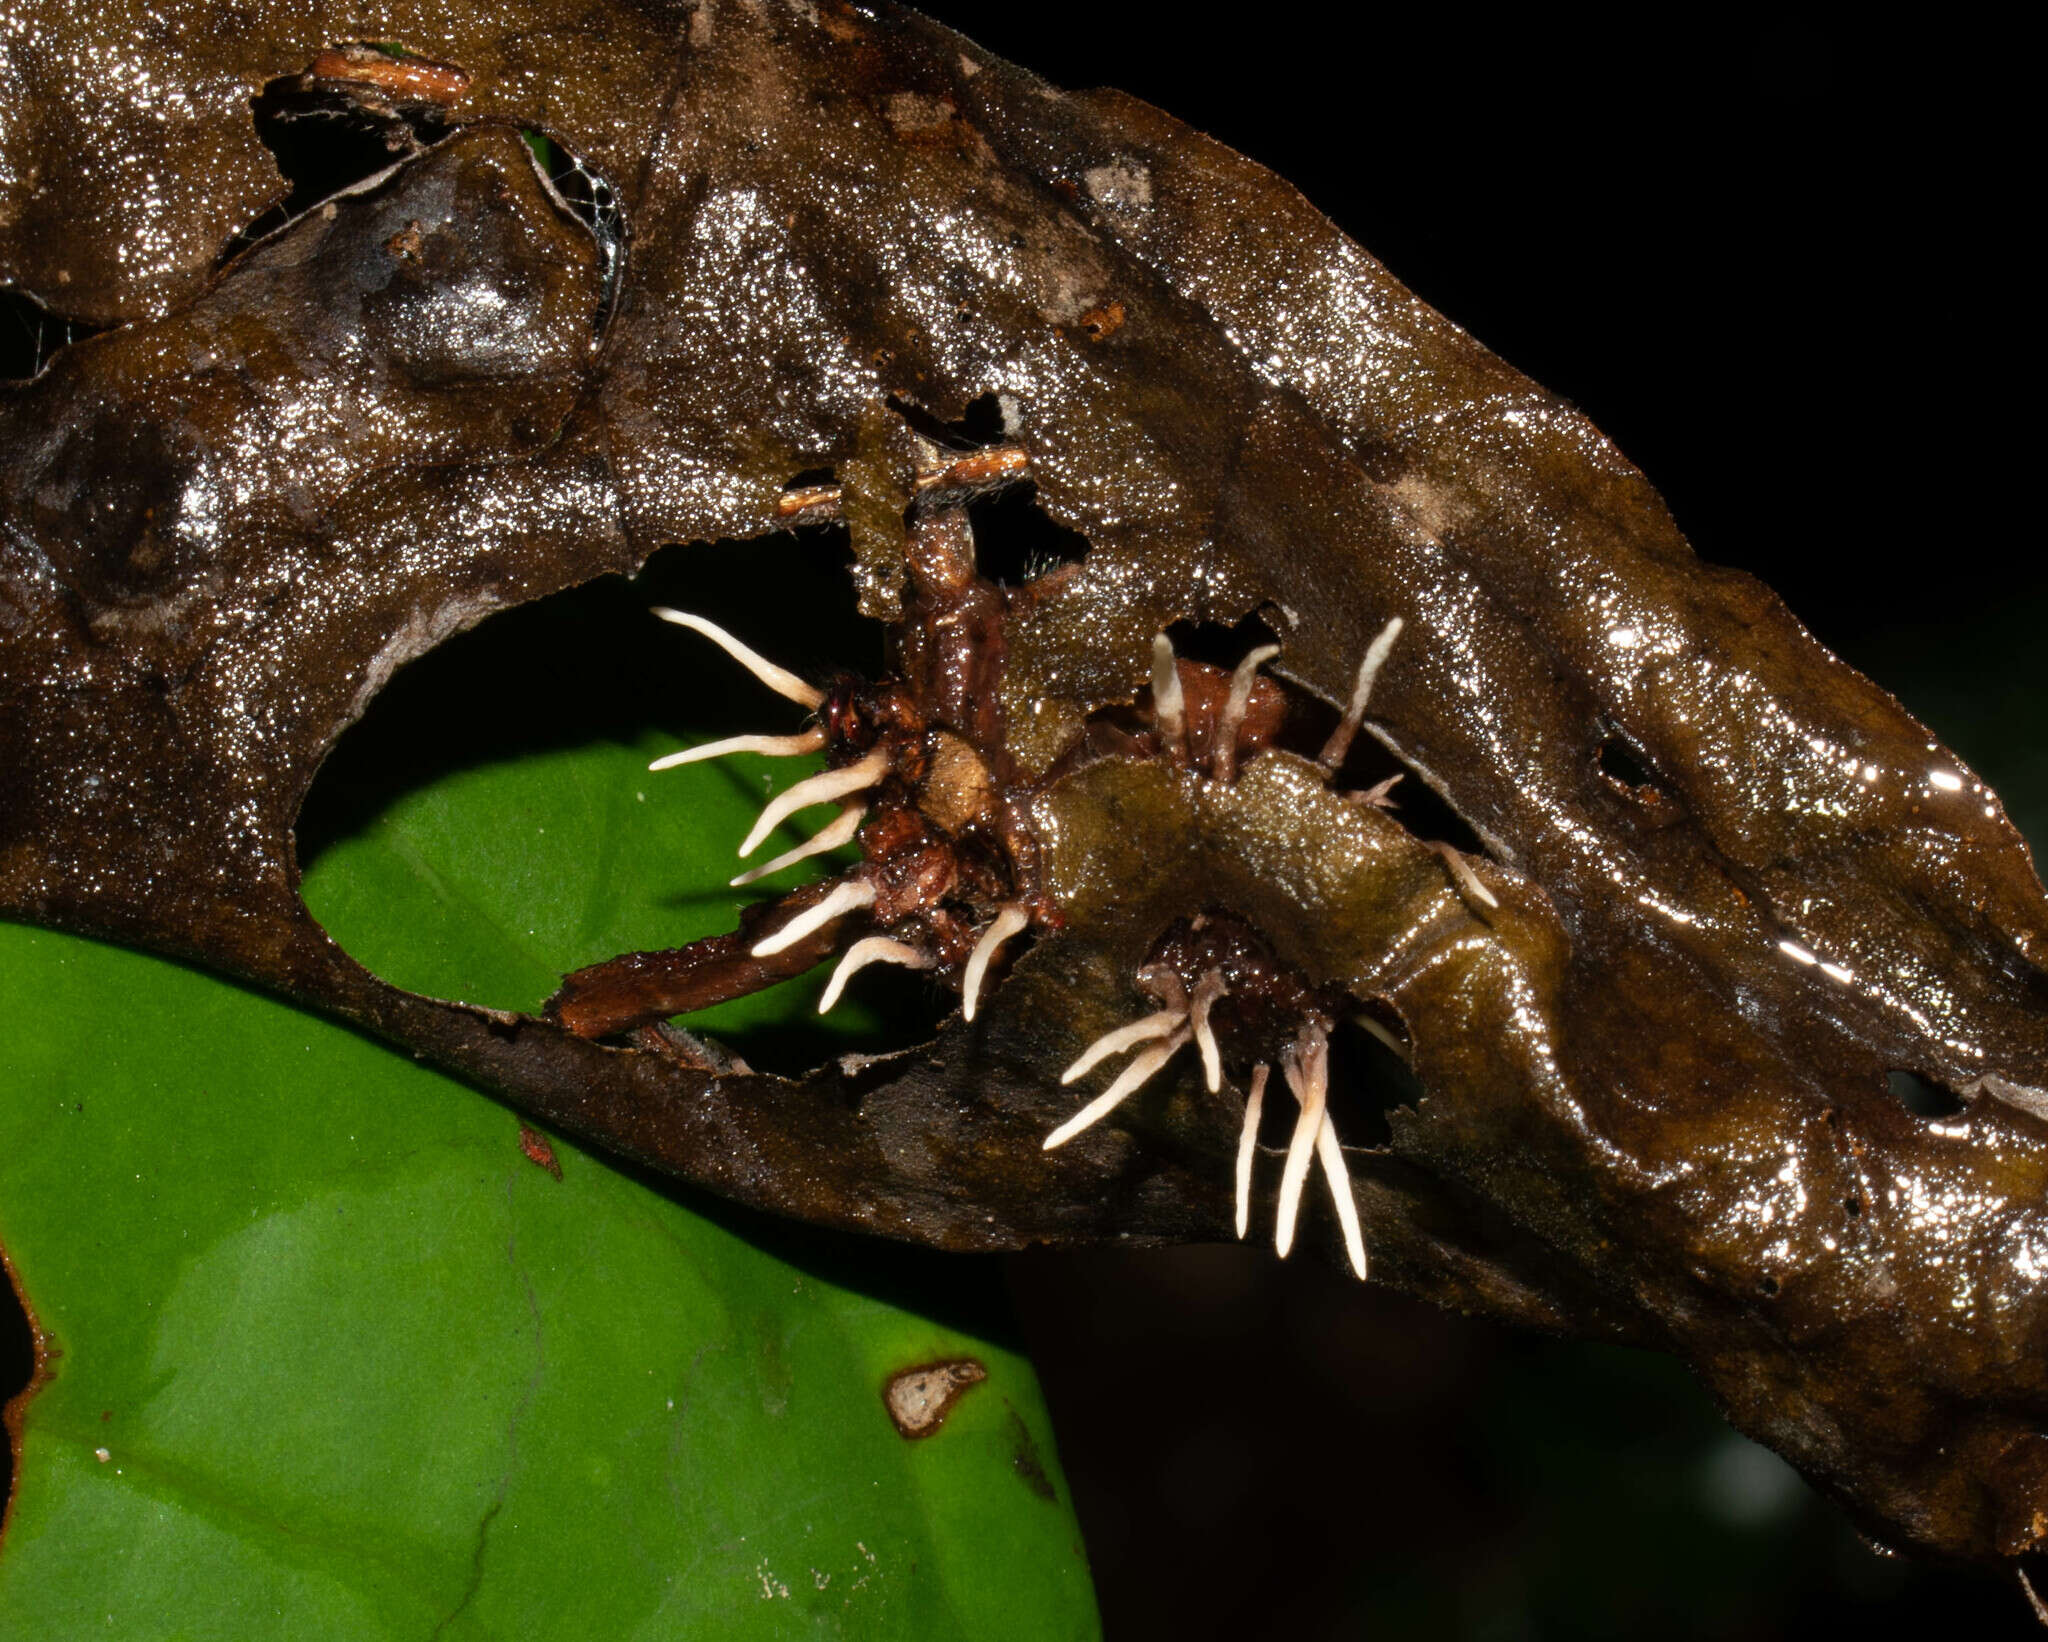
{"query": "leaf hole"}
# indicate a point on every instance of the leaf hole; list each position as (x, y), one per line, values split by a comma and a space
(588, 196)
(1412, 801)
(1016, 541)
(1369, 1076)
(1622, 764)
(32, 334)
(987, 420)
(1922, 1096)
(1215, 645)
(1370, 764)
(1629, 772)
(327, 139)
(501, 764)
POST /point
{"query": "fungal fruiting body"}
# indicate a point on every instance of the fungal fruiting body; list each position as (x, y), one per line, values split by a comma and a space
(1238, 991)
(949, 882)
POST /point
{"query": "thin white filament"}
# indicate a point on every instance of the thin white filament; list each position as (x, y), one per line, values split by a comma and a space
(1248, 1145)
(821, 788)
(779, 679)
(1010, 921)
(872, 949)
(1129, 1081)
(838, 832)
(1231, 719)
(1332, 1158)
(1463, 876)
(1169, 709)
(1307, 1071)
(1207, 990)
(1361, 692)
(850, 896)
(1382, 1034)
(2026, 1584)
(1123, 1037)
(768, 746)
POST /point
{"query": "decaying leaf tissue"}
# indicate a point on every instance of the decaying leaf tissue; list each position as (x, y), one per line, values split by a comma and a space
(1379, 711)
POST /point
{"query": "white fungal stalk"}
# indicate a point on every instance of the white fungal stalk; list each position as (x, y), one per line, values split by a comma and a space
(1231, 719)
(1380, 794)
(1306, 1066)
(779, 679)
(821, 788)
(1469, 884)
(1010, 921)
(769, 746)
(1331, 1155)
(873, 949)
(1248, 1146)
(1128, 1082)
(829, 838)
(1369, 1025)
(1208, 990)
(1169, 707)
(1361, 692)
(1462, 875)
(854, 895)
(1122, 1038)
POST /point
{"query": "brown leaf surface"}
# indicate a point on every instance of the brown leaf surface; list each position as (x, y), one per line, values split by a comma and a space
(1656, 1071)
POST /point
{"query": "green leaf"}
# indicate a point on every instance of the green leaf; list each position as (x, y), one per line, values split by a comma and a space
(337, 1360)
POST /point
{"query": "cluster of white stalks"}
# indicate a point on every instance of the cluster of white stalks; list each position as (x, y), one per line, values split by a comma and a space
(1170, 710)
(856, 892)
(1304, 1063)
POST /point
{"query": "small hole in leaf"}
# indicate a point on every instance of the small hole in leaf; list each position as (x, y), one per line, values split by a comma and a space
(983, 423)
(31, 334)
(1629, 773)
(1368, 765)
(1853, 1206)
(1369, 1077)
(1014, 540)
(1923, 1097)
(499, 784)
(1767, 1286)
(1215, 645)
(591, 199)
(1621, 763)
(326, 142)
(1413, 802)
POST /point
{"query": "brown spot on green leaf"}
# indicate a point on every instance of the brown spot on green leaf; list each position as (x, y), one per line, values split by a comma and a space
(919, 1399)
